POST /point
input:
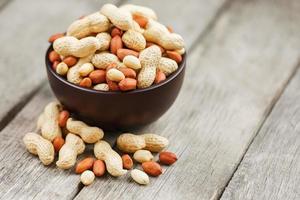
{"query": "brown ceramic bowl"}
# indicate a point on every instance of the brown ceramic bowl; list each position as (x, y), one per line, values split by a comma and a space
(117, 110)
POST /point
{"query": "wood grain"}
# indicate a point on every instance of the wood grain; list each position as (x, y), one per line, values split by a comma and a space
(232, 80)
(23, 176)
(25, 27)
(271, 167)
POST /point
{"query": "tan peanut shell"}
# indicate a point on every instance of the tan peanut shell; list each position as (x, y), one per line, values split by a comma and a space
(132, 62)
(159, 34)
(40, 121)
(140, 11)
(167, 66)
(49, 127)
(112, 159)
(121, 18)
(73, 74)
(154, 142)
(88, 134)
(130, 143)
(104, 59)
(37, 145)
(104, 41)
(73, 146)
(93, 23)
(71, 46)
(101, 87)
(149, 59)
(134, 40)
(136, 27)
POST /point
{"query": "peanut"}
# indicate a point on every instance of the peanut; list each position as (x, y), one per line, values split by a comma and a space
(141, 20)
(104, 41)
(49, 125)
(128, 72)
(115, 75)
(149, 58)
(174, 56)
(141, 11)
(97, 76)
(68, 153)
(152, 168)
(112, 159)
(69, 45)
(130, 143)
(70, 61)
(119, 17)
(104, 59)
(167, 158)
(93, 23)
(86, 82)
(62, 68)
(88, 134)
(115, 44)
(159, 34)
(58, 142)
(127, 84)
(121, 53)
(99, 168)
(55, 36)
(127, 161)
(37, 145)
(113, 86)
(167, 66)
(101, 87)
(140, 177)
(136, 27)
(134, 40)
(87, 177)
(142, 156)
(84, 165)
(180, 51)
(155, 143)
(86, 69)
(115, 31)
(54, 65)
(132, 62)
(73, 75)
(54, 56)
(148, 44)
(63, 117)
(159, 77)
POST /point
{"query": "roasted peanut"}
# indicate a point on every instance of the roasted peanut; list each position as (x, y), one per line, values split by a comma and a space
(88, 134)
(86, 82)
(84, 165)
(121, 53)
(127, 84)
(112, 159)
(99, 168)
(115, 44)
(127, 161)
(37, 145)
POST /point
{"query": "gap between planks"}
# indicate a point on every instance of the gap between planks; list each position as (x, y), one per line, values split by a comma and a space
(268, 113)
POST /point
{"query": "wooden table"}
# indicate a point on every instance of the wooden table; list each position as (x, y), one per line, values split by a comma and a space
(235, 125)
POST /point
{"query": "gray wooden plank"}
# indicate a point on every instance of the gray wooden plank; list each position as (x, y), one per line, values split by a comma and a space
(232, 81)
(271, 167)
(25, 27)
(27, 186)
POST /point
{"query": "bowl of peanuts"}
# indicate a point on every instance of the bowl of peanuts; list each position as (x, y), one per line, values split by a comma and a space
(118, 68)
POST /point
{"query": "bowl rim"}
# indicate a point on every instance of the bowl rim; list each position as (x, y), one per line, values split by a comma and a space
(49, 68)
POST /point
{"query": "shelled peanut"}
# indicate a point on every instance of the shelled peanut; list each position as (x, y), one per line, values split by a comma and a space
(141, 50)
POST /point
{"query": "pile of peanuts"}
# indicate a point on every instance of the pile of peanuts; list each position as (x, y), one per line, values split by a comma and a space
(66, 137)
(117, 49)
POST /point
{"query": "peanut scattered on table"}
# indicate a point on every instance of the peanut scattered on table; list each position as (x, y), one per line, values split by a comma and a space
(115, 49)
(126, 36)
